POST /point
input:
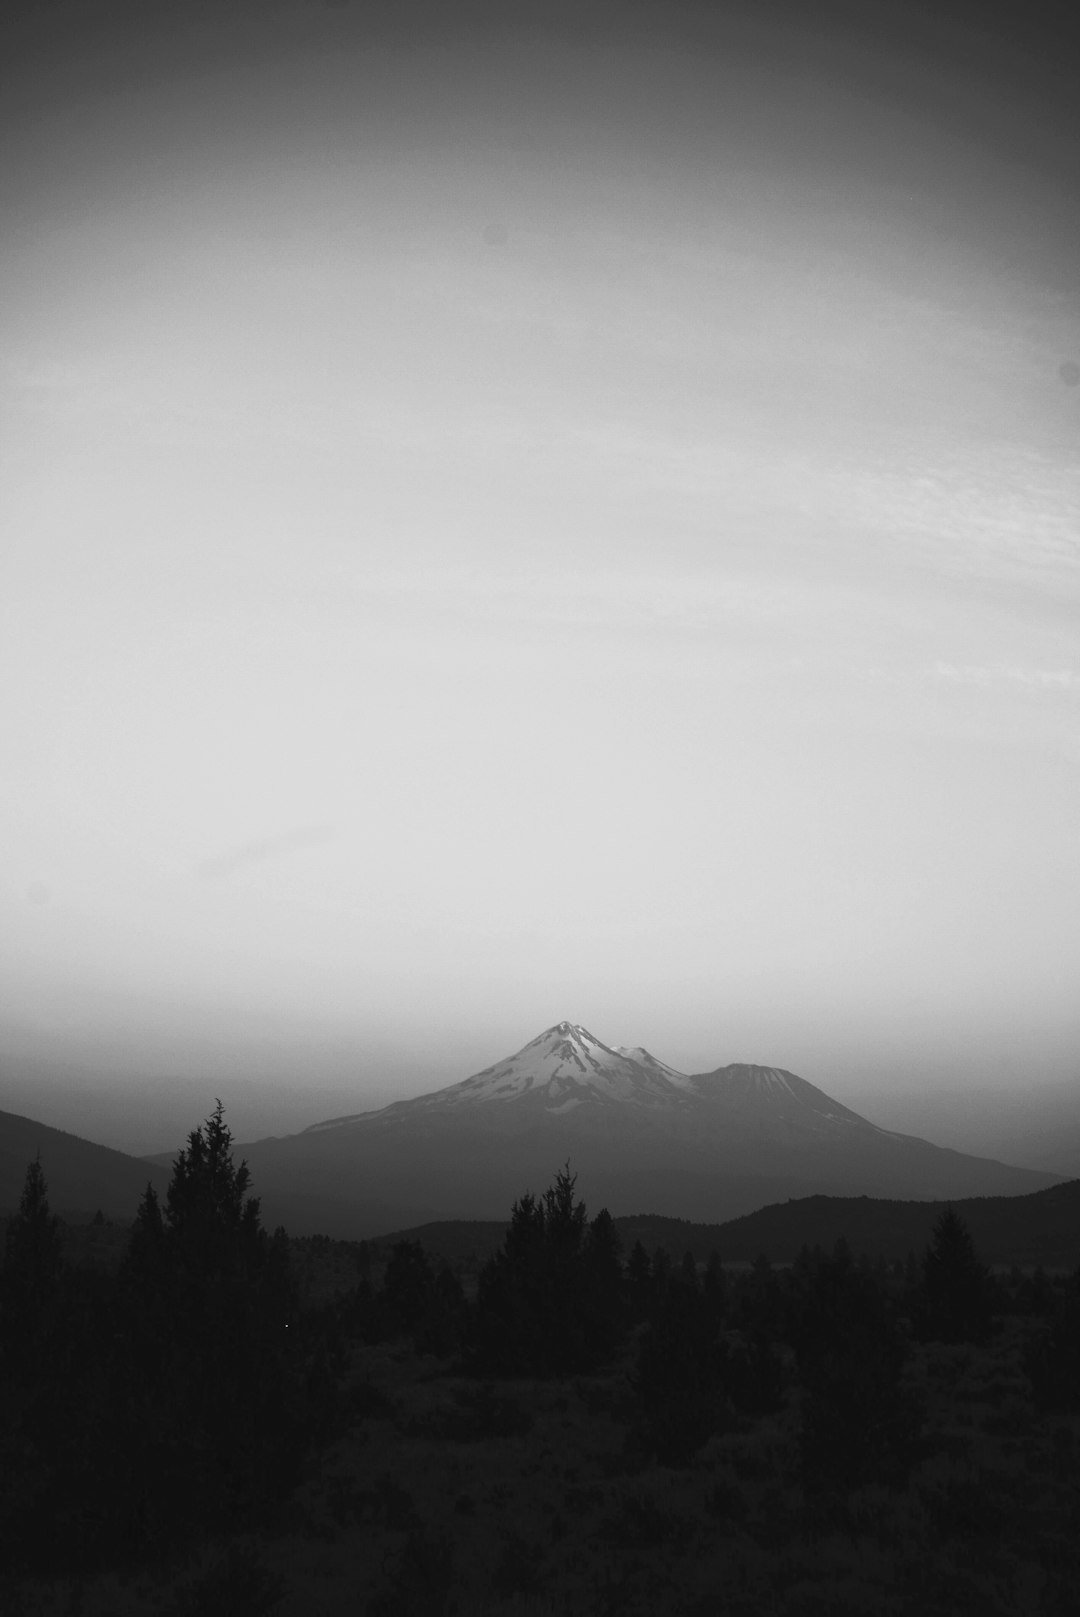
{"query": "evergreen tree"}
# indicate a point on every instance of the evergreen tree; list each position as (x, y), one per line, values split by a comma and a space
(954, 1301)
(215, 1395)
(603, 1287)
(209, 1215)
(550, 1302)
(33, 1260)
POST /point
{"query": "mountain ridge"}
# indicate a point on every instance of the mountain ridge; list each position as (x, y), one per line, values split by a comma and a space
(81, 1176)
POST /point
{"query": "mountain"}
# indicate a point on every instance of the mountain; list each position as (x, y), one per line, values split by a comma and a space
(81, 1177)
(641, 1136)
(565, 1067)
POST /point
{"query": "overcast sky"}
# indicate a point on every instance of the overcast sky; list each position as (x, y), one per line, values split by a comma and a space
(578, 518)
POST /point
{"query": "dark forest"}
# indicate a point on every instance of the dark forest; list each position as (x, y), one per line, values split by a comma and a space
(200, 1416)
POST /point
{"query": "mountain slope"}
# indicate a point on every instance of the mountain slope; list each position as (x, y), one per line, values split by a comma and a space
(642, 1136)
(81, 1176)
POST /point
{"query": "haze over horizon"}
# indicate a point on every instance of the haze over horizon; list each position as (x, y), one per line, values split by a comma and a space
(513, 514)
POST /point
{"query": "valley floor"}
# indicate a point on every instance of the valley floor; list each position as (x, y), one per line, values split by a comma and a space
(447, 1495)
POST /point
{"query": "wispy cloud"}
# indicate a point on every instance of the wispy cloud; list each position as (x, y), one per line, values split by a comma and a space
(999, 513)
(1033, 679)
(263, 850)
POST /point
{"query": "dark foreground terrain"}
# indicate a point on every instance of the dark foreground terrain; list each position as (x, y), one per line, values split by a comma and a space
(200, 1418)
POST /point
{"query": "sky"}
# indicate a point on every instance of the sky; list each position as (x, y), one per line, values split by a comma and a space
(521, 513)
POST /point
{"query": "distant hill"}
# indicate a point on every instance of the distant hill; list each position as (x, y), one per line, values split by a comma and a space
(1043, 1228)
(81, 1177)
(1026, 1230)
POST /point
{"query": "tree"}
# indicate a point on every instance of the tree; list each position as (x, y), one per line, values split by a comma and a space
(550, 1302)
(953, 1303)
(207, 1209)
(161, 1401)
(215, 1380)
(33, 1260)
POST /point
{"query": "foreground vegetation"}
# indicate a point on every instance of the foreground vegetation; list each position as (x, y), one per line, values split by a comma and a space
(198, 1417)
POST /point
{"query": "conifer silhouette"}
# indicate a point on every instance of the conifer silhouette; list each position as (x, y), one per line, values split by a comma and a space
(207, 1299)
(954, 1302)
(33, 1260)
(550, 1302)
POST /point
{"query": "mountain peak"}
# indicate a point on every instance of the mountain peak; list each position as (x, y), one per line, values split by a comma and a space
(564, 1067)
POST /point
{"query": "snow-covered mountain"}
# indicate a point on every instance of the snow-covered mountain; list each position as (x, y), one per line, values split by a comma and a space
(642, 1136)
(563, 1067)
(567, 1068)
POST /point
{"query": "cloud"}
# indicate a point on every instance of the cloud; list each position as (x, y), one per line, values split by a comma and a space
(260, 851)
(1034, 679)
(994, 513)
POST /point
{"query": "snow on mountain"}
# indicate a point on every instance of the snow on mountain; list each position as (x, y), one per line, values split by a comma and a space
(660, 1069)
(567, 1069)
(568, 1066)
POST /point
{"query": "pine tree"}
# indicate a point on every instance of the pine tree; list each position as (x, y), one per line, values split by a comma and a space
(550, 1302)
(209, 1215)
(603, 1288)
(33, 1260)
(213, 1369)
(954, 1301)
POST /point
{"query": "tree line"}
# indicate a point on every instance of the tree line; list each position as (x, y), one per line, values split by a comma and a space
(186, 1391)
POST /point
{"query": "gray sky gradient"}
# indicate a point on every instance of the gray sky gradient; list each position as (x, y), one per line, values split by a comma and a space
(571, 518)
